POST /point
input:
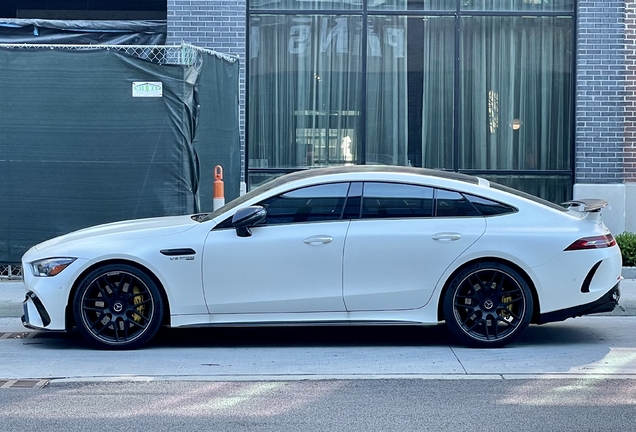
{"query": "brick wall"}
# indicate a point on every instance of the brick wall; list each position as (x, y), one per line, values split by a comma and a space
(218, 25)
(600, 118)
(630, 89)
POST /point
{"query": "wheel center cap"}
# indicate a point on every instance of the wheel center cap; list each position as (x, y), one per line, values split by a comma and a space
(118, 307)
(488, 304)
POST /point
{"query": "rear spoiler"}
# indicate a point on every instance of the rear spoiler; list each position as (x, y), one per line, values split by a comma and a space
(586, 205)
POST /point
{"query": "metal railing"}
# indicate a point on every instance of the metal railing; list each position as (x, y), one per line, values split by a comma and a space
(10, 271)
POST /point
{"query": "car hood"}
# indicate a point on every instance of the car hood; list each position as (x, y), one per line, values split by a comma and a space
(131, 229)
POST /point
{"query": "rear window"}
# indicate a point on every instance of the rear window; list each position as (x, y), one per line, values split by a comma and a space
(488, 207)
(527, 196)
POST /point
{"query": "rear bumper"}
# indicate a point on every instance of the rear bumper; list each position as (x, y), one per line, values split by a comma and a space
(607, 303)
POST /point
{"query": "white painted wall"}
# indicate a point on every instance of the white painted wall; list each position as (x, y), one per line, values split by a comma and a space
(614, 215)
(630, 207)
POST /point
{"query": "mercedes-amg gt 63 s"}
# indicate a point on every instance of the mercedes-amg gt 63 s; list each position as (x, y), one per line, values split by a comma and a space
(358, 245)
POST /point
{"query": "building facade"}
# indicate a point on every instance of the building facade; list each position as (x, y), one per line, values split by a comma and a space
(536, 94)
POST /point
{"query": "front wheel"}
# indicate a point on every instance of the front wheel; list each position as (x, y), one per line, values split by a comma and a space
(117, 307)
(487, 305)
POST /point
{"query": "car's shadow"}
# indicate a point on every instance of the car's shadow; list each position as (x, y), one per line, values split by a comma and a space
(303, 336)
(351, 336)
(324, 336)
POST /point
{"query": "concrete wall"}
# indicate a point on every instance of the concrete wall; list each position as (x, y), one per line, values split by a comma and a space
(630, 207)
(615, 194)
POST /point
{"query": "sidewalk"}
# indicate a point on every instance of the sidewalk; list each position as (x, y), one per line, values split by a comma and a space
(582, 348)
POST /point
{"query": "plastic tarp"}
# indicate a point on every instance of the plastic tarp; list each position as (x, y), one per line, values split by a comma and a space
(79, 32)
(78, 147)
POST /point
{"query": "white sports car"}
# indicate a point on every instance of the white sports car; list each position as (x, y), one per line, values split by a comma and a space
(360, 244)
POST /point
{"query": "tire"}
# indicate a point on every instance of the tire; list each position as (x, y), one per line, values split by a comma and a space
(117, 306)
(487, 305)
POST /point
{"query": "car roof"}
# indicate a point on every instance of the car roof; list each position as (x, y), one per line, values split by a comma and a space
(315, 172)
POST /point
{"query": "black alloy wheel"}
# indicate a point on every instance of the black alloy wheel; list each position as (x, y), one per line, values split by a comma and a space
(488, 305)
(117, 307)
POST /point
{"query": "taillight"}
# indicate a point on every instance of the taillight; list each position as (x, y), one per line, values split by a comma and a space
(597, 242)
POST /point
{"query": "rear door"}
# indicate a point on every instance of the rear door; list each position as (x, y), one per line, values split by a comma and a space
(405, 239)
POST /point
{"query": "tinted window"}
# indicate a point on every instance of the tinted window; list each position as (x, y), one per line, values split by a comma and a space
(310, 204)
(527, 196)
(453, 204)
(489, 208)
(393, 200)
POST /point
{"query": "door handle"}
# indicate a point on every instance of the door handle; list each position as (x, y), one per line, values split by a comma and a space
(324, 239)
(447, 236)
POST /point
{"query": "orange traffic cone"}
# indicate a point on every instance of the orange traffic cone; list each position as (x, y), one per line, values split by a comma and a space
(218, 199)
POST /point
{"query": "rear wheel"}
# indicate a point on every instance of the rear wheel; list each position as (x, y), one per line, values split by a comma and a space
(488, 304)
(117, 307)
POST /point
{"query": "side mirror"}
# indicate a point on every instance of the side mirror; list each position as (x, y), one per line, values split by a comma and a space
(248, 217)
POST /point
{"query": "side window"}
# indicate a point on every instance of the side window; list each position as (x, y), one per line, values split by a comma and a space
(453, 204)
(309, 204)
(393, 200)
(488, 207)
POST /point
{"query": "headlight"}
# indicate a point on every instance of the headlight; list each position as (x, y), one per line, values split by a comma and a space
(50, 266)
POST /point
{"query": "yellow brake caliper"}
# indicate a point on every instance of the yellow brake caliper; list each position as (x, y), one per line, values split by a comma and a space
(506, 312)
(140, 309)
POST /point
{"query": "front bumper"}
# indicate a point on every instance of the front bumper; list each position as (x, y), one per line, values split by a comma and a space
(607, 303)
(35, 314)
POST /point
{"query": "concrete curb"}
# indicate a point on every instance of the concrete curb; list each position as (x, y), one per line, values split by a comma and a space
(629, 272)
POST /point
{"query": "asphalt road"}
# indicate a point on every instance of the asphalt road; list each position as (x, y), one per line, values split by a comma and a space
(330, 405)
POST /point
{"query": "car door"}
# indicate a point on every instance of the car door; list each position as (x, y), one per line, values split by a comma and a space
(406, 237)
(293, 263)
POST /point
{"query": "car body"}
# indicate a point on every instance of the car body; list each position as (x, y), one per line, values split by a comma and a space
(357, 244)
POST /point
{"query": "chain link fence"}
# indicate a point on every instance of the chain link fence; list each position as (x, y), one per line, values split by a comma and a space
(184, 54)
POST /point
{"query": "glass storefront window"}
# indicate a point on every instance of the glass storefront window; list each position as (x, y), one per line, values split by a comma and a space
(255, 180)
(519, 5)
(415, 5)
(484, 86)
(305, 87)
(554, 188)
(516, 87)
(410, 91)
(306, 5)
